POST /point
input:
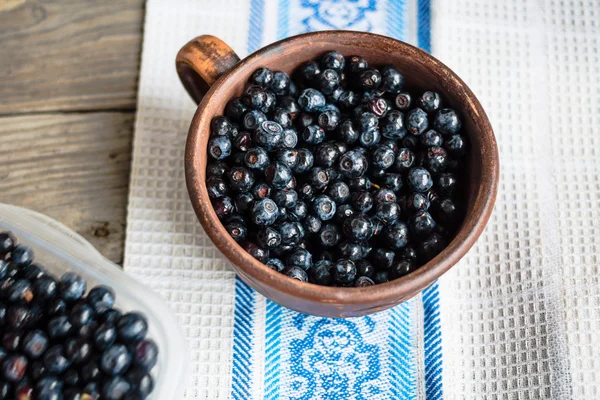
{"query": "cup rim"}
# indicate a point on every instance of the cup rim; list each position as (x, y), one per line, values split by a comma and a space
(401, 288)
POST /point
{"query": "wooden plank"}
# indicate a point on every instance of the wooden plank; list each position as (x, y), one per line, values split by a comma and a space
(59, 55)
(71, 167)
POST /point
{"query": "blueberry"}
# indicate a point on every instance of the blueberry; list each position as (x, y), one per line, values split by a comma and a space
(358, 228)
(21, 255)
(392, 125)
(329, 80)
(285, 198)
(235, 108)
(344, 271)
(417, 121)
(90, 372)
(261, 191)
(363, 281)
(446, 122)
(255, 97)
(447, 212)
(216, 187)
(347, 132)
(81, 314)
(370, 138)
(417, 202)
(296, 273)
(422, 223)
(329, 235)
(55, 360)
(141, 382)
(115, 388)
(387, 213)
(278, 175)
(240, 179)
(14, 367)
(381, 277)
(291, 233)
(384, 196)
(282, 117)
(378, 106)
(313, 134)
(419, 180)
(311, 100)
(268, 238)
(321, 273)
(342, 212)
(364, 268)
(392, 181)
(281, 83)
(219, 147)
(290, 105)
(275, 264)
(105, 336)
(132, 327)
(243, 141)
(306, 160)
(221, 126)
(262, 77)
(430, 101)
(312, 224)
(7, 242)
(252, 119)
(269, 135)
(310, 71)
(436, 159)
(383, 157)
(456, 145)
(361, 183)
(431, 138)
(446, 183)
(21, 292)
(356, 64)
(339, 192)
(370, 79)
(72, 286)
(11, 341)
(401, 268)
(404, 160)
(49, 388)
(290, 138)
(216, 168)
(300, 258)
(306, 192)
(361, 201)
(323, 207)
(348, 99)
(36, 370)
(391, 80)
(329, 120)
(115, 360)
(111, 316)
(298, 212)
(304, 120)
(352, 164)
(78, 350)
(326, 155)
(223, 207)
(396, 235)
(410, 142)
(57, 307)
(333, 60)
(367, 121)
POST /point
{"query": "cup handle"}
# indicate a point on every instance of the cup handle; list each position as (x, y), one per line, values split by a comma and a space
(201, 62)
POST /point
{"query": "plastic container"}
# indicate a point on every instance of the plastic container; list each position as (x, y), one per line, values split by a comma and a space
(60, 250)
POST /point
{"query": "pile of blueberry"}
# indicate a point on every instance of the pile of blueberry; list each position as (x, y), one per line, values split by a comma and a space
(57, 343)
(338, 177)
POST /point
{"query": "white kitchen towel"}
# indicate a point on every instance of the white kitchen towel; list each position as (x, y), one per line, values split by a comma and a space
(517, 318)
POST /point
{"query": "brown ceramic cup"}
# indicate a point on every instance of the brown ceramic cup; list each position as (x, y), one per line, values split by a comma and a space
(213, 74)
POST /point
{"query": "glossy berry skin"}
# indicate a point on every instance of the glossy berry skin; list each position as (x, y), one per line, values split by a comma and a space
(358, 228)
(370, 138)
(296, 273)
(237, 230)
(132, 327)
(364, 268)
(367, 121)
(240, 179)
(370, 79)
(378, 106)
(216, 187)
(392, 181)
(384, 196)
(396, 235)
(311, 100)
(21, 255)
(261, 191)
(72, 286)
(347, 132)
(281, 83)
(323, 207)
(361, 201)
(141, 382)
(285, 198)
(342, 212)
(446, 183)
(417, 202)
(282, 117)
(352, 164)
(59, 327)
(7, 242)
(235, 108)
(305, 161)
(333, 60)
(401, 268)
(447, 212)
(105, 336)
(321, 273)
(431, 138)
(392, 125)
(81, 314)
(255, 97)
(382, 258)
(422, 224)
(381, 277)
(363, 281)
(278, 175)
(219, 147)
(318, 178)
(264, 212)
(115, 360)
(344, 271)
(55, 360)
(21, 292)
(262, 77)
(456, 145)
(356, 64)
(329, 120)
(383, 157)
(360, 183)
(405, 159)
(430, 247)
(78, 350)
(387, 213)
(252, 119)
(339, 192)
(348, 99)
(221, 126)
(313, 134)
(216, 168)
(417, 121)
(403, 101)
(268, 135)
(312, 224)
(275, 264)
(115, 388)
(329, 80)
(289, 105)
(300, 258)
(291, 233)
(310, 71)
(329, 235)
(223, 207)
(13, 368)
(326, 155)
(419, 180)
(430, 101)
(447, 122)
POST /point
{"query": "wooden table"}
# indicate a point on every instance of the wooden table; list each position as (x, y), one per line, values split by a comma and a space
(68, 84)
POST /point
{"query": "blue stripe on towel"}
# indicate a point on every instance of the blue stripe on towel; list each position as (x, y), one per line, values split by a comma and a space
(243, 340)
